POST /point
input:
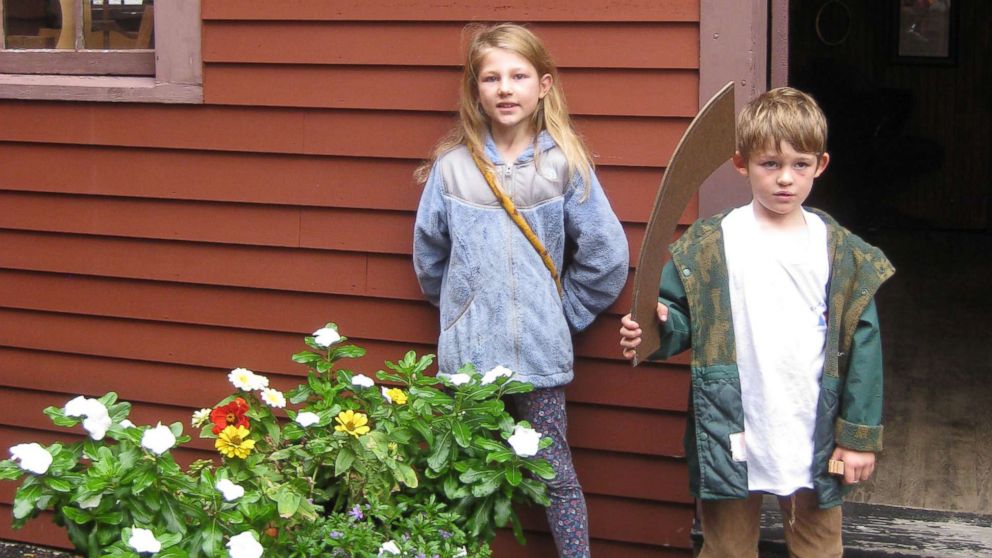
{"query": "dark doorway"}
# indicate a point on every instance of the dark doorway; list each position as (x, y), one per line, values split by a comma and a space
(910, 172)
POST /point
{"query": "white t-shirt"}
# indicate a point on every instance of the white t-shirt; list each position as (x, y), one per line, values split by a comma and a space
(778, 284)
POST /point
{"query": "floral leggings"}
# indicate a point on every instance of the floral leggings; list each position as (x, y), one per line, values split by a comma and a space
(544, 409)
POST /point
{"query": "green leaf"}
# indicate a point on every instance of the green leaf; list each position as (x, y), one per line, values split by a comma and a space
(212, 538)
(110, 518)
(485, 488)
(501, 455)
(406, 475)
(343, 461)
(453, 489)
(536, 491)
(9, 470)
(287, 502)
(513, 475)
(511, 387)
(76, 515)
(172, 552)
(502, 509)
(346, 351)
(540, 468)
(299, 394)
(440, 452)
(142, 479)
(463, 434)
(306, 357)
(59, 419)
(57, 484)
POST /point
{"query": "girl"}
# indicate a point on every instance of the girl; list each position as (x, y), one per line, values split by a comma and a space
(502, 302)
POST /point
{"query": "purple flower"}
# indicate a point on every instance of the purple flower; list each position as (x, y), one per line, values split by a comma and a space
(444, 534)
(356, 513)
(335, 534)
(421, 555)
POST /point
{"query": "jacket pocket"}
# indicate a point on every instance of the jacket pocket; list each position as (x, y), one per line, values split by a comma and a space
(719, 415)
(459, 313)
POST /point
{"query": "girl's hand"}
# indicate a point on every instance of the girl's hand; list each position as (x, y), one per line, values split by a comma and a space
(858, 465)
(630, 331)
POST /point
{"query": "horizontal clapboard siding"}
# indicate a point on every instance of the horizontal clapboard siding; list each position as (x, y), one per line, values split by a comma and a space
(150, 248)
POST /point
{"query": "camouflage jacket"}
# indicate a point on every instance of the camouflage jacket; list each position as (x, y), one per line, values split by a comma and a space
(849, 412)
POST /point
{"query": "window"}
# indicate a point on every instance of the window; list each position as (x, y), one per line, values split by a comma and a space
(112, 50)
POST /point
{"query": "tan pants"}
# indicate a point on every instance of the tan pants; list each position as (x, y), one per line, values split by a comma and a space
(731, 527)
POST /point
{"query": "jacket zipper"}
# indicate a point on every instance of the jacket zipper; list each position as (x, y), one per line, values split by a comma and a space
(508, 190)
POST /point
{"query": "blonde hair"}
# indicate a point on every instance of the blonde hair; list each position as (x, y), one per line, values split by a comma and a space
(551, 113)
(782, 114)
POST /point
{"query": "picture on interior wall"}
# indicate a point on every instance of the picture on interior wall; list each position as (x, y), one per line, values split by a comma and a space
(926, 31)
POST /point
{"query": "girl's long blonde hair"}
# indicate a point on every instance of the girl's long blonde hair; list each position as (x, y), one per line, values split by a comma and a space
(551, 113)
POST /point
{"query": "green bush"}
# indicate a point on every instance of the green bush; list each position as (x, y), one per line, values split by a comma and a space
(419, 466)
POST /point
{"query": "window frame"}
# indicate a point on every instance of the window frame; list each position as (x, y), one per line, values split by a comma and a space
(76, 75)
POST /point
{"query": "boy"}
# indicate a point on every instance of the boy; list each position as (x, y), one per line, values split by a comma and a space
(777, 305)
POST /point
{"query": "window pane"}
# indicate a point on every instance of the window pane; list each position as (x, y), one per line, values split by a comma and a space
(118, 24)
(35, 24)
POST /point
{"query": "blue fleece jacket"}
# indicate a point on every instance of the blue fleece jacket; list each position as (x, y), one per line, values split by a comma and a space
(498, 302)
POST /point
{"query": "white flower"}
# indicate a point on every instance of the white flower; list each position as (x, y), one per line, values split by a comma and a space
(456, 379)
(32, 458)
(462, 553)
(143, 540)
(97, 425)
(230, 490)
(244, 546)
(96, 418)
(385, 394)
(246, 380)
(127, 424)
(78, 407)
(91, 502)
(306, 418)
(158, 440)
(524, 441)
(389, 548)
(498, 372)
(326, 336)
(362, 380)
(273, 398)
(200, 418)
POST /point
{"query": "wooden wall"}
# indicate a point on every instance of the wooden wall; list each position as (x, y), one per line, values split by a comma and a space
(148, 249)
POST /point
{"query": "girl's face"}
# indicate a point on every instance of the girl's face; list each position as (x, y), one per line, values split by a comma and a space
(509, 91)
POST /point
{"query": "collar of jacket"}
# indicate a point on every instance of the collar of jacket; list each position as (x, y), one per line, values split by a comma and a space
(857, 270)
(544, 142)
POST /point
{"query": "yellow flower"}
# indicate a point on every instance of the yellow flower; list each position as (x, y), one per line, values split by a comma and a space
(352, 423)
(233, 442)
(396, 396)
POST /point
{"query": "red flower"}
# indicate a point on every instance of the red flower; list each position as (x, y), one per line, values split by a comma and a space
(232, 414)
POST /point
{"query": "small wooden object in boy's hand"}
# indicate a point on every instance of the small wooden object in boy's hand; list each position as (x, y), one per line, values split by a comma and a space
(835, 467)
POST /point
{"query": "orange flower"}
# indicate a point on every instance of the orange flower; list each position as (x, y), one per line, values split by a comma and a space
(232, 414)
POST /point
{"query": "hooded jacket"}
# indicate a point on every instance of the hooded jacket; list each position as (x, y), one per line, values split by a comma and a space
(695, 287)
(498, 302)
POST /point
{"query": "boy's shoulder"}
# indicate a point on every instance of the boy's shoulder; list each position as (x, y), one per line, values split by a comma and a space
(853, 252)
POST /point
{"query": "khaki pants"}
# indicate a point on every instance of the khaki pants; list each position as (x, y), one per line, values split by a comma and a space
(731, 527)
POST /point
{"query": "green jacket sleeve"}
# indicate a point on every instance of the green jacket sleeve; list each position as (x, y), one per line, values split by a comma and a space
(676, 333)
(859, 426)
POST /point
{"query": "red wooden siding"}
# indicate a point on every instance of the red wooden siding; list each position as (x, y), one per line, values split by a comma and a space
(149, 248)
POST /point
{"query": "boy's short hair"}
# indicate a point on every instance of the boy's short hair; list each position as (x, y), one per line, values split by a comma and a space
(782, 114)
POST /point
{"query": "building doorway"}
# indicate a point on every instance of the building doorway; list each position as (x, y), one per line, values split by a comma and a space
(911, 172)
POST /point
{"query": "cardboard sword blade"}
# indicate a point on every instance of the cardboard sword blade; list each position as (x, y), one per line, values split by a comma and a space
(708, 142)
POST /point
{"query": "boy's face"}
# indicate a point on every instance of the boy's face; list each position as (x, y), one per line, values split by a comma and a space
(780, 181)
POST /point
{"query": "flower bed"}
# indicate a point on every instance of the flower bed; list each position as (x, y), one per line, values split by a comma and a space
(339, 466)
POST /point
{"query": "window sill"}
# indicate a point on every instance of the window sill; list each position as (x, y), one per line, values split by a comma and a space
(97, 88)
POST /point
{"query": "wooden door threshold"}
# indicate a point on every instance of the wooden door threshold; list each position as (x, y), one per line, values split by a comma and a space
(872, 530)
